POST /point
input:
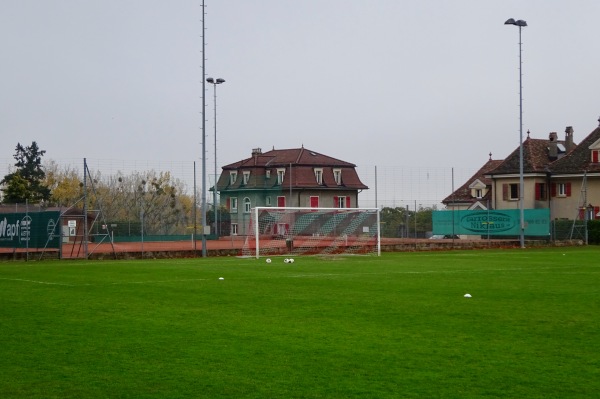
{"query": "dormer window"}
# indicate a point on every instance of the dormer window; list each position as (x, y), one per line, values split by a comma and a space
(280, 175)
(337, 176)
(595, 152)
(478, 189)
(319, 175)
(232, 177)
(246, 177)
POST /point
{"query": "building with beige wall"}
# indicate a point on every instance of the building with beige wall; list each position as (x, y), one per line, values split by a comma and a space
(557, 174)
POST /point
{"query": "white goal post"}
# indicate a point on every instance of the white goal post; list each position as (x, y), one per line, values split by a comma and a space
(312, 231)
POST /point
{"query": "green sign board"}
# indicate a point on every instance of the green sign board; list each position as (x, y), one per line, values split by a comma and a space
(30, 230)
(493, 222)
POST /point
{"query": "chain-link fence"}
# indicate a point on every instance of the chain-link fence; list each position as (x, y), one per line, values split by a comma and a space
(151, 206)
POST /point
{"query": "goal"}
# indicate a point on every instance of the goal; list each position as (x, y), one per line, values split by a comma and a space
(312, 231)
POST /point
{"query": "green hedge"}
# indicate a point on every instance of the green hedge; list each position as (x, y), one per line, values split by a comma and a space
(594, 232)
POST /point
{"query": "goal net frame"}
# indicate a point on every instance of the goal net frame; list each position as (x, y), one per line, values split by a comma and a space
(345, 231)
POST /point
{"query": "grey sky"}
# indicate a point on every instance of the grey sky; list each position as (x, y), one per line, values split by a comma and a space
(379, 82)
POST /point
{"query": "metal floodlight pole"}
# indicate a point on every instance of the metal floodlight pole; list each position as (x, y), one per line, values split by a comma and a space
(520, 23)
(203, 196)
(215, 82)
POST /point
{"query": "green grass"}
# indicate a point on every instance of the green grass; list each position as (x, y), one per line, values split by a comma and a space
(358, 327)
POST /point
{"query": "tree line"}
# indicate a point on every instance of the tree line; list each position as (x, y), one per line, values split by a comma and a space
(154, 201)
(402, 222)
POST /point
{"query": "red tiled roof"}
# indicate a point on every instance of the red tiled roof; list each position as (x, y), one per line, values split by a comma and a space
(579, 159)
(536, 158)
(295, 156)
(302, 161)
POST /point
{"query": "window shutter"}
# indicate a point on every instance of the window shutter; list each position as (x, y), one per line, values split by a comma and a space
(596, 210)
(568, 189)
(228, 203)
(335, 202)
(553, 189)
(538, 191)
(314, 202)
(505, 192)
(595, 156)
(581, 213)
(348, 202)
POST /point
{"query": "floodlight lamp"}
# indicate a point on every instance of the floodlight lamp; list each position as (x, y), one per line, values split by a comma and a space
(511, 21)
(210, 80)
(219, 81)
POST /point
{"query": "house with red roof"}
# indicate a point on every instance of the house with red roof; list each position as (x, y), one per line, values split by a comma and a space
(538, 155)
(559, 175)
(296, 177)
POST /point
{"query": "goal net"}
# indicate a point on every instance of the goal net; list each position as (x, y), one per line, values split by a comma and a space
(311, 231)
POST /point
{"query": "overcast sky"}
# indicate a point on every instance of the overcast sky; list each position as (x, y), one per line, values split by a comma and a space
(378, 82)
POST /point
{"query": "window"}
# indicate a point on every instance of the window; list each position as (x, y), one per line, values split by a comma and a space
(234, 229)
(319, 175)
(588, 213)
(510, 192)
(514, 191)
(541, 193)
(341, 202)
(593, 212)
(268, 174)
(337, 176)
(561, 189)
(280, 175)
(478, 189)
(233, 204)
(246, 177)
(268, 200)
(247, 206)
(232, 177)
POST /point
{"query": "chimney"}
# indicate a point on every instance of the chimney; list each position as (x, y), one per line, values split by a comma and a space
(552, 146)
(569, 138)
(255, 153)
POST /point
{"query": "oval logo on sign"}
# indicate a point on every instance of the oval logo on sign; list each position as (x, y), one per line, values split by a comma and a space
(482, 222)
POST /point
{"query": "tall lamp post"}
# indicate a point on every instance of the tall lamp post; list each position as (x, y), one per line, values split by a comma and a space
(215, 82)
(520, 23)
(203, 195)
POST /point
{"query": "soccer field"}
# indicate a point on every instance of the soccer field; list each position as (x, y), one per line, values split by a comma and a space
(395, 326)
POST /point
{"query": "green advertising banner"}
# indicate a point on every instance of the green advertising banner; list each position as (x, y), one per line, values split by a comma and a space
(493, 222)
(30, 230)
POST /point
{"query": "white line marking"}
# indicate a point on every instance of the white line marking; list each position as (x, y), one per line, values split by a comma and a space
(36, 282)
(98, 284)
(154, 281)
